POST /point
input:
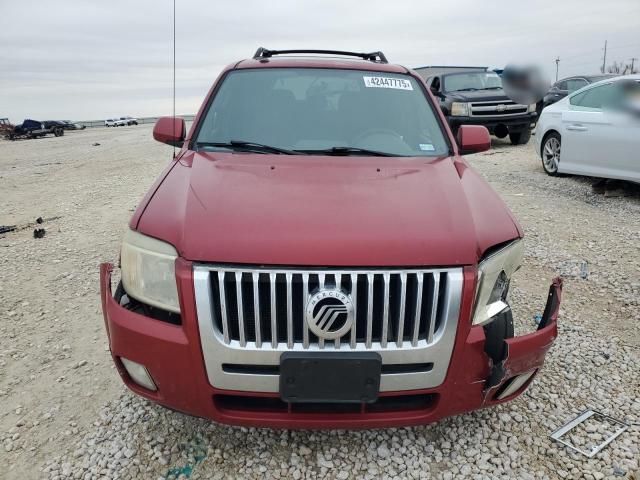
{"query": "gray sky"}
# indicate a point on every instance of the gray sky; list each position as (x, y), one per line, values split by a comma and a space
(86, 59)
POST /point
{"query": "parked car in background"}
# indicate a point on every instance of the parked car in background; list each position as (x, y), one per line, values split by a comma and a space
(115, 122)
(319, 254)
(69, 125)
(129, 120)
(474, 96)
(591, 133)
(564, 87)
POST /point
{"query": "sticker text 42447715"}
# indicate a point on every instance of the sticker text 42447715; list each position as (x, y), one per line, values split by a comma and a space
(387, 82)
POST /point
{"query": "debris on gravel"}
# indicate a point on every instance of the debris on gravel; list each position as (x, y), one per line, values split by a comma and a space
(64, 413)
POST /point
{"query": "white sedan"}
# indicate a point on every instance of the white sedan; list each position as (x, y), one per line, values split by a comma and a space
(595, 131)
(115, 122)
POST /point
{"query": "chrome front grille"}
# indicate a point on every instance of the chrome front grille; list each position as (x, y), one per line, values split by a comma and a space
(264, 308)
(248, 317)
(503, 108)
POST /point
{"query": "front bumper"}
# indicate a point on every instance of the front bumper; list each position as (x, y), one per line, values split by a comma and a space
(538, 137)
(173, 357)
(514, 124)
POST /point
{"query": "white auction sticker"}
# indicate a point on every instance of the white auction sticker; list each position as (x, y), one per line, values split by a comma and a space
(387, 82)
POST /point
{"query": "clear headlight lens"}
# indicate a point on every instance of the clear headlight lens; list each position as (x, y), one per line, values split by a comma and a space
(459, 109)
(532, 108)
(148, 271)
(494, 274)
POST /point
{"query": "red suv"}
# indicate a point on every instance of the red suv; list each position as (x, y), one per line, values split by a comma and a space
(319, 255)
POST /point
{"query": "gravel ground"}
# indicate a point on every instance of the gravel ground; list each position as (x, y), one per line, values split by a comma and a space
(65, 414)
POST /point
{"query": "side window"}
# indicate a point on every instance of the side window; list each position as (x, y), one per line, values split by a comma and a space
(575, 84)
(561, 85)
(597, 97)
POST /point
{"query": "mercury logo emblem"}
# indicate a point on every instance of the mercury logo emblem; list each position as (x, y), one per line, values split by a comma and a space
(501, 107)
(329, 313)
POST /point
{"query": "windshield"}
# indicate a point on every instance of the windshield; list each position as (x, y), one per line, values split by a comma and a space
(333, 111)
(472, 81)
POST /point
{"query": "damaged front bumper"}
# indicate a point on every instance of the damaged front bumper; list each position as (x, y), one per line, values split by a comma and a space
(172, 357)
(525, 354)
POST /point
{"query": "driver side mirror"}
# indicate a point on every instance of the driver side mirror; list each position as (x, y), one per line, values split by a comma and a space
(473, 139)
(170, 130)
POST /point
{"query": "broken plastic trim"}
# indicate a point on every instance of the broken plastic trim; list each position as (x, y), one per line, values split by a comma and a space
(567, 427)
(526, 353)
(553, 303)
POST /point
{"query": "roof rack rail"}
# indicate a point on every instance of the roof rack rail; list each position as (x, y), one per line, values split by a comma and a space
(372, 56)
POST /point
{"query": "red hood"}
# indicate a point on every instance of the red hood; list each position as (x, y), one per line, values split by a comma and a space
(325, 211)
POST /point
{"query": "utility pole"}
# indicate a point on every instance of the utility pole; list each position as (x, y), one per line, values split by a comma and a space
(604, 60)
(557, 63)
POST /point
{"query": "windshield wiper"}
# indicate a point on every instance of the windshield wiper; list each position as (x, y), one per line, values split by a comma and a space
(470, 89)
(492, 88)
(247, 146)
(345, 151)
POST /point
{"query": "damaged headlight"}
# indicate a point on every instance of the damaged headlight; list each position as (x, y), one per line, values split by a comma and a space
(148, 271)
(494, 274)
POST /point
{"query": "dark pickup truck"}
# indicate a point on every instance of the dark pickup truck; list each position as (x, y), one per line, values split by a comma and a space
(474, 96)
(34, 129)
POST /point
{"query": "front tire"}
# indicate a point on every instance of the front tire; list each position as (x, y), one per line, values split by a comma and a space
(520, 138)
(550, 153)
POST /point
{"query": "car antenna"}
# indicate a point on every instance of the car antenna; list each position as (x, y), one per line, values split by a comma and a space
(174, 76)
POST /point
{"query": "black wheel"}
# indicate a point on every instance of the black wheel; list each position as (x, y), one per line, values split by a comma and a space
(520, 138)
(496, 332)
(550, 153)
(58, 132)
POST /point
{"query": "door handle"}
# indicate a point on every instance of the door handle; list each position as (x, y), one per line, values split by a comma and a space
(577, 128)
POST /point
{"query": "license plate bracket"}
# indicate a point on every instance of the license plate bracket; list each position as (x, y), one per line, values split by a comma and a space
(330, 377)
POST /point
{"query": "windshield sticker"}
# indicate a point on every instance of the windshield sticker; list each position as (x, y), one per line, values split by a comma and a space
(387, 82)
(426, 147)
